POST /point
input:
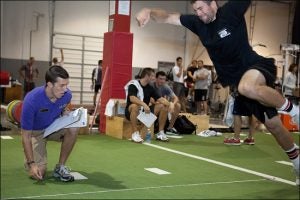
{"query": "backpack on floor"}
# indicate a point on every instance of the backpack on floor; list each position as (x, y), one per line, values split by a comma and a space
(184, 126)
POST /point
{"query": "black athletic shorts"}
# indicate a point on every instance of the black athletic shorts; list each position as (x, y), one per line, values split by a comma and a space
(239, 107)
(268, 69)
(200, 95)
(97, 88)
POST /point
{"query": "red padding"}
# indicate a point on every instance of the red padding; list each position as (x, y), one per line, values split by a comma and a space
(4, 78)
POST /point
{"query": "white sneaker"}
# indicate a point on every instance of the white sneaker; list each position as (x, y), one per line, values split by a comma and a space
(162, 136)
(136, 137)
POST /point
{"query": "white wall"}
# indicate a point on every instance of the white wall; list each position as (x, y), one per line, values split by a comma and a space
(17, 21)
(153, 43)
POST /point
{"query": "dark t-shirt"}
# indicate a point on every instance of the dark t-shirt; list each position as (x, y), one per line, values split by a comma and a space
(148, 90)
(191, 69)
(226, 41)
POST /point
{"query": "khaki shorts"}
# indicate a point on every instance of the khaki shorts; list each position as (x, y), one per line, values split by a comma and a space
(39, 145)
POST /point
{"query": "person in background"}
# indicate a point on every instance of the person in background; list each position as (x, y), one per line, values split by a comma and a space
(41, 107)
(239, 110)
(138, 95)
(29, 73)
(223, 32)
(164, 90)
(190, 81)
(61, 62)
(290, 82)
(96, 80)
(201, 76)
(178, 84)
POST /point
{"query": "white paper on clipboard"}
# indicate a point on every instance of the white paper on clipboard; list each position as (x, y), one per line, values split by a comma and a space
(73, 119)
(82, 122)
(147, 118)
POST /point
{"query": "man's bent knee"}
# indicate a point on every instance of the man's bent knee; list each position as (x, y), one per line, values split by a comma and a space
(274, 124)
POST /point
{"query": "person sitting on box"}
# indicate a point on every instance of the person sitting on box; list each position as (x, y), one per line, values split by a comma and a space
(138, 95)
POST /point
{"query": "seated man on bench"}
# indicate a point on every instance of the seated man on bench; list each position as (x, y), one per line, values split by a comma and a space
(138, 95)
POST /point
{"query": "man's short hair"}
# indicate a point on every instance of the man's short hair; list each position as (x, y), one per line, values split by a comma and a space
(160, 73)
(54, 72)
(147, 71)
(99, 62)
(178, 58)
(206, 1)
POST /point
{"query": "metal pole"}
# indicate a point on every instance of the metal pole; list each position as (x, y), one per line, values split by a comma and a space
(51, 28)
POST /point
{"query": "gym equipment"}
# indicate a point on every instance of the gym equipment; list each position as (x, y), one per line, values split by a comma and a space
(14, 110)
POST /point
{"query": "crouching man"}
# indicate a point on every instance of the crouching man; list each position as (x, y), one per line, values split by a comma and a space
(41, 107)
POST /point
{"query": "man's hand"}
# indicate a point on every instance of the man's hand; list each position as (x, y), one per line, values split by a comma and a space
(146, 108)
(143, 17)
(35, 172)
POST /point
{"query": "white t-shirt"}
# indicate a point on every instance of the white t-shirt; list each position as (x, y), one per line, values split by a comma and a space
(175, 77)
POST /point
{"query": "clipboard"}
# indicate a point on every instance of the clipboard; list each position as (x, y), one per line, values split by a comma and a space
(147, 119)
(76, 118)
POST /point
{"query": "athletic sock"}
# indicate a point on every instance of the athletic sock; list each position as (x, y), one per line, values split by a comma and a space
(293, 154)
(287, 106)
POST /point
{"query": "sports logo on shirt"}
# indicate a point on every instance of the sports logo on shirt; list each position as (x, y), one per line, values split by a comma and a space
(223, 33)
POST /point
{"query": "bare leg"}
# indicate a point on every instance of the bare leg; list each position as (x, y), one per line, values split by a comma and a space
(198, 106)
(253, 86)
(237, 126)
(161, 111)
(67, 144)
(182, 101)
(281, 134)
(175, 114)
(252, 126)
(205, 107)
(134, 111)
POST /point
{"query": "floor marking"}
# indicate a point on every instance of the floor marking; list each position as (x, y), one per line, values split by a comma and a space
(141, 188)
(285, 163)
(78, 176)
(157, 171)
(174, 136)
(6, 137)
(273, 178)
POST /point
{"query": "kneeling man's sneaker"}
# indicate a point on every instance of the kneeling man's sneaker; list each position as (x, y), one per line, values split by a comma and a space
(136, 137)
(162, 136)
(63, 173)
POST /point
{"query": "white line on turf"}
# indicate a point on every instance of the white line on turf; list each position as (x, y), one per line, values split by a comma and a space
(6, 137)
(157, 171)
(273, 178)
(285, 163)
(141, 188)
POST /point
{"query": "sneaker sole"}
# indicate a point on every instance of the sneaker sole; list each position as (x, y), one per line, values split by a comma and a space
(249, 143)
(137, 141)
(233, 144)
(170, 133)
(57, 176)
(162, 140)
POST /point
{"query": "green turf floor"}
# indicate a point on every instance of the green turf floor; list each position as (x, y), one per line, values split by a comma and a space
(116, 170)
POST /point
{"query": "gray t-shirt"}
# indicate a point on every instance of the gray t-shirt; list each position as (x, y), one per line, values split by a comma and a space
(164, 91)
